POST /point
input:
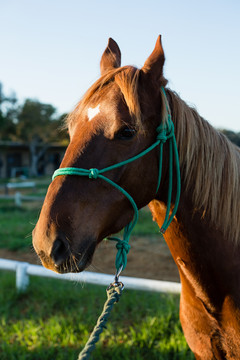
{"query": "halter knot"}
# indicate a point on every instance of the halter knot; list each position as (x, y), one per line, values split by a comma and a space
(162, 136)
(123, 246)
(123, 249)
(165, 131)
(93, 173)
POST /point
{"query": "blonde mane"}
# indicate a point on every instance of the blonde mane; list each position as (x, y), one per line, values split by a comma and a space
(210, 167)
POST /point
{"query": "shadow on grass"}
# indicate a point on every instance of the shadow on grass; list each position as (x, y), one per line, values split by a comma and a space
(116, 352)
(53, 320)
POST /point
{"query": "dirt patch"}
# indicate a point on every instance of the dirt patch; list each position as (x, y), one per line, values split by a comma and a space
(148, 258)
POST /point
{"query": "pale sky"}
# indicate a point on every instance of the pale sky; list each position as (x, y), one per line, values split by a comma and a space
(50, 49)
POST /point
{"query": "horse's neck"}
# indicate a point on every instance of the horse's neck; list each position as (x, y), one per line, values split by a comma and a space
(203, 234)
(205, 260)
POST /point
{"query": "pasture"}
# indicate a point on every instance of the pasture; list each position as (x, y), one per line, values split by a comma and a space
(17, 224)
(53, 318)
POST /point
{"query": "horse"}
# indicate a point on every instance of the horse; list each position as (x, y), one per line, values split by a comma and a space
(115, 120)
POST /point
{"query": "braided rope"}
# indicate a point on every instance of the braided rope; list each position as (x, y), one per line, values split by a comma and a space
(114, 293)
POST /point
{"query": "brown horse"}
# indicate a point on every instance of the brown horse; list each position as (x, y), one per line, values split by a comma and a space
(117, 119)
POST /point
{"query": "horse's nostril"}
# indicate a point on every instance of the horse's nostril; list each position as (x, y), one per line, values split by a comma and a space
(60, 252)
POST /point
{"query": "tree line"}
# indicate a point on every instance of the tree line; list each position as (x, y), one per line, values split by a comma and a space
(33, 123)
(234, 137)
(38, 125)
(30, 119)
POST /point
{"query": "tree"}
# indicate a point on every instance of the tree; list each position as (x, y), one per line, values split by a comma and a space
(38, 125)
(8, 115)
(232, 136)
(32, 123)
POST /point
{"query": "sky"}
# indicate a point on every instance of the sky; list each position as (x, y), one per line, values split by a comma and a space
(51, 49)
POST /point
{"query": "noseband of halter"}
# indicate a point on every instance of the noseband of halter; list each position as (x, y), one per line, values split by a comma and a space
(165, 131)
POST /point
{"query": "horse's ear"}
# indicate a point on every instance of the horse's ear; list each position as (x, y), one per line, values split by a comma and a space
(154, 64)
(111, 57)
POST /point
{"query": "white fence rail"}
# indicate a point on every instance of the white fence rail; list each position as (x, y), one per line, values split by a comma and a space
(21, 185)
(18, 185)
(24, 270)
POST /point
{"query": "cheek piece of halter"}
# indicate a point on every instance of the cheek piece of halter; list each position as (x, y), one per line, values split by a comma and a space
(165, 131)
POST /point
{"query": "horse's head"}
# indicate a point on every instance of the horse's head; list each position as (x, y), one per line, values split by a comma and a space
(116, 119)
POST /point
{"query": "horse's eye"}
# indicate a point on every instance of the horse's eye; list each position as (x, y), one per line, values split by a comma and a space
(125, 133)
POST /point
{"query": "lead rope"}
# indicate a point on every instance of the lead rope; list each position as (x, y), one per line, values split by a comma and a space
(114, 292)
(165, 132)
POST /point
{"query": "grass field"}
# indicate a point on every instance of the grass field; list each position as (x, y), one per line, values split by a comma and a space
(53, 320)
(16, 224)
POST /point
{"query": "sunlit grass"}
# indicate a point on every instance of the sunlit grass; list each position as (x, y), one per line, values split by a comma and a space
(53, 319)
(16, 224)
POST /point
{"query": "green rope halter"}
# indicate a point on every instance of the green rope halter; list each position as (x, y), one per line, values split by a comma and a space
(165, 132)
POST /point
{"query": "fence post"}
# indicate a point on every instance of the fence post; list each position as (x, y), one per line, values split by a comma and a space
(18, 201)
(6, 189)
(22, 278)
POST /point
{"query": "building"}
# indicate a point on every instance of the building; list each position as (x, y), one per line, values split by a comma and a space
(15, 159)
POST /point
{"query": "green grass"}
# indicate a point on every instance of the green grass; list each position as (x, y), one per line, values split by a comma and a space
(146, 226)
(16, 224)
(53, 319)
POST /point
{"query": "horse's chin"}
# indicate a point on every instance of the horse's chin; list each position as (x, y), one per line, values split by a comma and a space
(76, 262)
(72, 266)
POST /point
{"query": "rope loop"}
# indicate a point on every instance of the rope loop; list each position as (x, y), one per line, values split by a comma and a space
(93, 173)
(170, 128)
(114, 291)
(122, 245)
(165, 130)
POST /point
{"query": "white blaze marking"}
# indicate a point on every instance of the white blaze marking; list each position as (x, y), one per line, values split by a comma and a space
(92, 112)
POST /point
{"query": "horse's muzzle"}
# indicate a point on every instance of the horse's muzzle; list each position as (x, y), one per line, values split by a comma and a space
(60, 252)
(58, 255)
